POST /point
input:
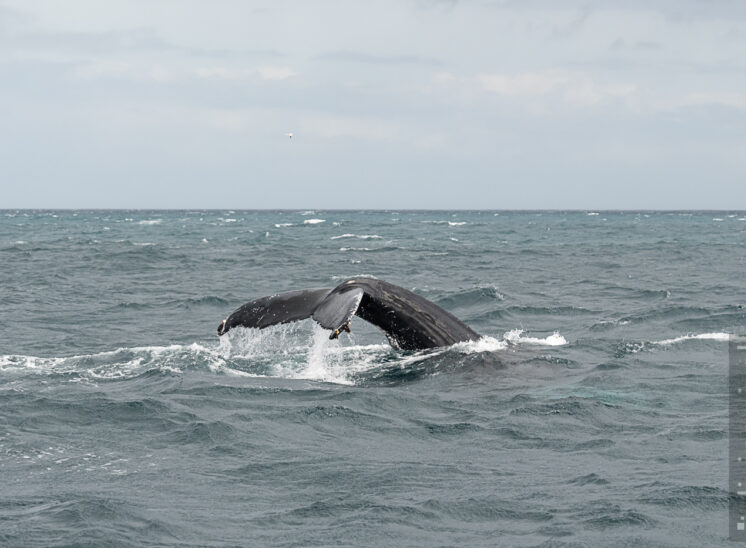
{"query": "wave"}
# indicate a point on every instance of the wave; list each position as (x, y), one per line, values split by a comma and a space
(283, 225)
(207, 300)
(633, 292)
(686, 317)
(690, 337)
(358, 236)
(449, 223)
(555, 339)
(382, 248)
(624, 348)
(336, 278)
(111, 365)
(312, 356)
(484, 344)
(313, 221)
(291, 351)
(142, 256)
(609, 324)
(484, 295)
(150, 222)
(688, 497)
(548, 310)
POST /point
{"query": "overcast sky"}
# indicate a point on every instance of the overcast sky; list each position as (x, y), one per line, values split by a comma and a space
(402, 104)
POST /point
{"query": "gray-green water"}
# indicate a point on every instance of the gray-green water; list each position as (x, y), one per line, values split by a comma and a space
(594, 411)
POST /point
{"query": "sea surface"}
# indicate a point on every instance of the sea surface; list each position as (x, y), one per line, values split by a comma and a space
(592, 413)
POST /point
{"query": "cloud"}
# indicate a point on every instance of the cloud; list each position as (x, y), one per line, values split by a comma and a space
(275, 73)
(436, 4)
(574, 26)
(141, 39)
(527, 83)
(640, 45)
(163, 73)
(724, 99)
(21, 37)
(243, 74)
(576, 88)
(359, 57)
(11, 18)
(327, 126)
(121, 70)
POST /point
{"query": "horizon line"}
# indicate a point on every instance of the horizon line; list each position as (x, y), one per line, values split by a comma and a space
(474, 210)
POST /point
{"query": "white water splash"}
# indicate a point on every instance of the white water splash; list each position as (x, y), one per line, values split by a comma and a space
(330, 361)
(689, 337)
(116, 364)
(484, 344)
(291, 351)
(555, 339)
(336, 278)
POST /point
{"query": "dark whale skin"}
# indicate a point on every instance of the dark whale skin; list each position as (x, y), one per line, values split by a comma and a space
(410, 321)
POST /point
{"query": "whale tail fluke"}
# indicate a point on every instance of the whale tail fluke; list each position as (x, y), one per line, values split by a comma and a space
(335, 312)
(410, 322)
(275, 309)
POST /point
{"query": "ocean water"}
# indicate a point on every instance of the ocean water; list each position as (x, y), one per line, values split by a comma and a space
(592, 413)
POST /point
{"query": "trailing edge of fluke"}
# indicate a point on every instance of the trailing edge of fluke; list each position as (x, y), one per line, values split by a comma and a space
(410, 322)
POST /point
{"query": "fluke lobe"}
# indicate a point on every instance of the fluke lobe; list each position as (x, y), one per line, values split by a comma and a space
(410, 322)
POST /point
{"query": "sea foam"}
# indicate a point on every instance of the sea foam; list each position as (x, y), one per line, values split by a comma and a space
(515, 336)
(701, 336)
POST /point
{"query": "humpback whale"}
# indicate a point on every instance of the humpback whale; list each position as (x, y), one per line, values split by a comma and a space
(410, 321)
